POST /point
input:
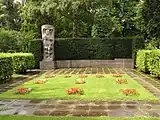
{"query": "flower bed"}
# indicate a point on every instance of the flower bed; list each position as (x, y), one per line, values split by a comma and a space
(121, 81)
(129, 91)
(23, 90)
(73, 91)
(80, 81)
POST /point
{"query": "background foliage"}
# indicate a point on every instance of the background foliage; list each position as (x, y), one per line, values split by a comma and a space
(13, 41)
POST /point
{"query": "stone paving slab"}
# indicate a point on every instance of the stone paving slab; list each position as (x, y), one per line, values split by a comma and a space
(80, 108)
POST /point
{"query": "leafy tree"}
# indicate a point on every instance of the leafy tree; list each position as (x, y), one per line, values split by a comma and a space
(149, 13)
(71, 18)
(124, 12)
(103, 24)
(148, 21)
(9, 15)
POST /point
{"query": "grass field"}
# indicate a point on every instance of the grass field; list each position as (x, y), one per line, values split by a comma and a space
(94, 89)
(72, 118)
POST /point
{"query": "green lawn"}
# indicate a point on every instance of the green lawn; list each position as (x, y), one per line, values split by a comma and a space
(72, 118)
(95, 89)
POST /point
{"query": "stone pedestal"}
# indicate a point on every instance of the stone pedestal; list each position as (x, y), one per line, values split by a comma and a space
(47, 65)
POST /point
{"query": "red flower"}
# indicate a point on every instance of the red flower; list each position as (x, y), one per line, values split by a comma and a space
(23, 90)
(129, 91)
(121, 81)
(72, 91)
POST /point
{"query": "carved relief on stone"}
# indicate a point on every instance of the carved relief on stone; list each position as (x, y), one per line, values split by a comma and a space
(48, 42)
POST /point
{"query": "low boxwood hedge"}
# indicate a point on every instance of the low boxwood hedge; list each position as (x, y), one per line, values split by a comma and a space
(142, 60)
(149, 61)
(14, 63)
(154, 62)
(22, 62)
(6, 69)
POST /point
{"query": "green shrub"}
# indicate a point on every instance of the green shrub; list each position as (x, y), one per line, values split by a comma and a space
(149, 61)
(154, 62)
(6, 69)
(36, 48)
(9, 40)
(22, 62)
(14, 62)
(103, 24)
(24, 42)
(15, 41)
(142, 60)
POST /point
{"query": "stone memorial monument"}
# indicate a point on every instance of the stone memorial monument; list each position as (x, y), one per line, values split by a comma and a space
(48, 47)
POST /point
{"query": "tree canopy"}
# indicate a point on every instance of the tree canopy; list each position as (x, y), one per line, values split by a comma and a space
(84, 18)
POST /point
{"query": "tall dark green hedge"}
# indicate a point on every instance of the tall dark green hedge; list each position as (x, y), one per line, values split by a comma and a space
(89, 48)
(6, 69)
(36, 48)
(97, 48)
(74, 49)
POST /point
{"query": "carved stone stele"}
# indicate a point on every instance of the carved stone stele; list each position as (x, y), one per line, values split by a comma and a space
(48, 47)
(48, 42)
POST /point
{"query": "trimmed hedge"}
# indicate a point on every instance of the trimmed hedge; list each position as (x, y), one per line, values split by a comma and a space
(89, 48)
(154, 62)
(149, 61)
(22, 62)
(6, 69)
(73, 49)
(36, 47)
(142, 60)
(14, 63)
